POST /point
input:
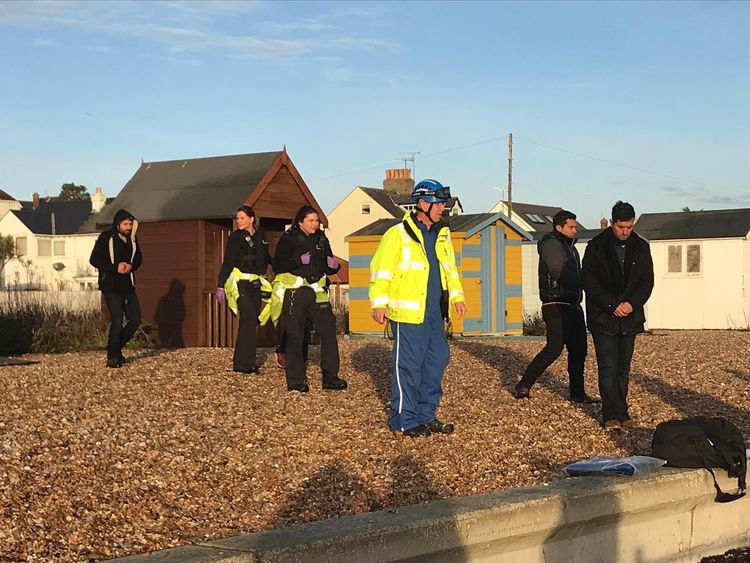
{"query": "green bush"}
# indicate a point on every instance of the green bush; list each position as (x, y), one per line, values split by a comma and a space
(29, 325)
(533, 325)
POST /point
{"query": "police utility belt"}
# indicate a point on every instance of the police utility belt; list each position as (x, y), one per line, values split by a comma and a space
(285, 281)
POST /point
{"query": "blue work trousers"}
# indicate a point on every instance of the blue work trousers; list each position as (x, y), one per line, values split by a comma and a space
(420, 356)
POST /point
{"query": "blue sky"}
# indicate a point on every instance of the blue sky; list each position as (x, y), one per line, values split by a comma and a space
(647, 102)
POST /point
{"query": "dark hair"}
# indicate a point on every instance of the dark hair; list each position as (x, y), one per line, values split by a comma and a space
(303, 212)
(247, 210)
(561, 217)
(622, 211)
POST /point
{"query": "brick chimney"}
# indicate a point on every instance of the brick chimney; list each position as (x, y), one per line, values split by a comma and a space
(603, 223)
(398, 181)
(98, 200)
(35, 204)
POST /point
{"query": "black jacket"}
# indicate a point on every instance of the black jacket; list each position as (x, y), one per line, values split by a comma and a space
(248, 253)
(559, 270)
(109, 250)
(607, 285)
(293, 244)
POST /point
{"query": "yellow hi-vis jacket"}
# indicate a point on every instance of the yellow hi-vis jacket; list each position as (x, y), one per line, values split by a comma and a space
(287, 280)
(399, 272)
(233, 293)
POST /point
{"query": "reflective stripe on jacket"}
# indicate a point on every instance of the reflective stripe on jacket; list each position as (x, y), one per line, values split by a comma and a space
(399, 272)
(233, 293)
(285, 281)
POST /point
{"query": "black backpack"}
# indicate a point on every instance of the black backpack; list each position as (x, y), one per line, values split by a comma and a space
(705, 442)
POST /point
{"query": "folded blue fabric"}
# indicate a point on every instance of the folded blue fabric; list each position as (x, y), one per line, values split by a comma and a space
(626, 466)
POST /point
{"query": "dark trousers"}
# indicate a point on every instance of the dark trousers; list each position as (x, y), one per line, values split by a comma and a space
(248, 306)
(121, 307)
(565, 327)
(299, 307)
(613, 354)
(281, 348)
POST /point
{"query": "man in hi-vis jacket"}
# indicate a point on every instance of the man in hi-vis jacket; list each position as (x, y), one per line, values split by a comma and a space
(117, 256)
(413, 284)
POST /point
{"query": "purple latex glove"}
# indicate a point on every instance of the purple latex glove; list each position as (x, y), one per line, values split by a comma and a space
(305, 258)
(331, 262)
(220, 295)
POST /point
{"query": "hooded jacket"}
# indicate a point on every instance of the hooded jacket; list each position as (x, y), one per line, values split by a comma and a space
(559, 270)
(110, 250)
(607, 284)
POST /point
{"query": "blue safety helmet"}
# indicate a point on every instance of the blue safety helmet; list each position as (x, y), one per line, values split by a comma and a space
(431, 191)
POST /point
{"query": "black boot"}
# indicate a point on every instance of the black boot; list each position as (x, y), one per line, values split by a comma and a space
(335, 384)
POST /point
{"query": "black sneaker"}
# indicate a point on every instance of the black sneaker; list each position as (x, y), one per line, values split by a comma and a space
(300, 388)
(251, 369)
(335, 384)
(585, 399)
(417, 431)
(437, 427)
(114, 363)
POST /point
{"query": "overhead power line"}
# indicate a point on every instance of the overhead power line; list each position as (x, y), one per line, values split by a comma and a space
(544, 145)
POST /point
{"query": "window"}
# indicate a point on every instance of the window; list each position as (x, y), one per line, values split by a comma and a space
(59, 247)
(20, 246)
(365, 210)
(44, 247)
(693, 258)
(534, 218)
(674, 258)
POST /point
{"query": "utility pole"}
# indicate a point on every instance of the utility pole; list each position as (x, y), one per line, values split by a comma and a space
(510, 175)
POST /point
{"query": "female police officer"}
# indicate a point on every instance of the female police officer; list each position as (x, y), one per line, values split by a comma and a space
(302, 259)
(242, 282)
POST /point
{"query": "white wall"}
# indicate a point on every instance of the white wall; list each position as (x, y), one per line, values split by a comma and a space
(347, 218)
(715, 298)
(7, 205)
(40, 273)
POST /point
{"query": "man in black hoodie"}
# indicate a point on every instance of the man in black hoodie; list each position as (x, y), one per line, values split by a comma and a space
(618, 276)
(561, 295)
(117, 256)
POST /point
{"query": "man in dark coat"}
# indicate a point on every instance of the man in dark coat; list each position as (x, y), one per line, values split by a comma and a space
(561, 294)
(117, 256)
(618, 276)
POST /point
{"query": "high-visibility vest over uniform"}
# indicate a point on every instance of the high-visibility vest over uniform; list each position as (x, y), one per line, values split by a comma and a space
(399, 272)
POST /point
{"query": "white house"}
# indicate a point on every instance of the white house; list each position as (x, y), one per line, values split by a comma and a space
(363, 206)
(7, 204)
(701, 268)
(51, 253)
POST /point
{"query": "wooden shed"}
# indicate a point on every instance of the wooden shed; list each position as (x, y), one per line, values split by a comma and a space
(488, 254)
(185, 210)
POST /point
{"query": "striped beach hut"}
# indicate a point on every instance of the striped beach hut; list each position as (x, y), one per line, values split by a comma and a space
(488, 254)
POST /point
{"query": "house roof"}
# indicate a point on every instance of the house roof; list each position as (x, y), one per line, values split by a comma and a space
(384, 200)
(342, 276)
(584, 235)
(719, 223)
(198, 188)
(406, 200)
(6, 196)
(468, 224)
(538, 216)
(69, 216)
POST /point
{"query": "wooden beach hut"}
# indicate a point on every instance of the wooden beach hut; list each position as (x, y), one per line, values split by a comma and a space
(185, 210)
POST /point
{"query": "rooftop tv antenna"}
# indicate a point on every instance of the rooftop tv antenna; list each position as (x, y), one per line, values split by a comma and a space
(409, 157)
